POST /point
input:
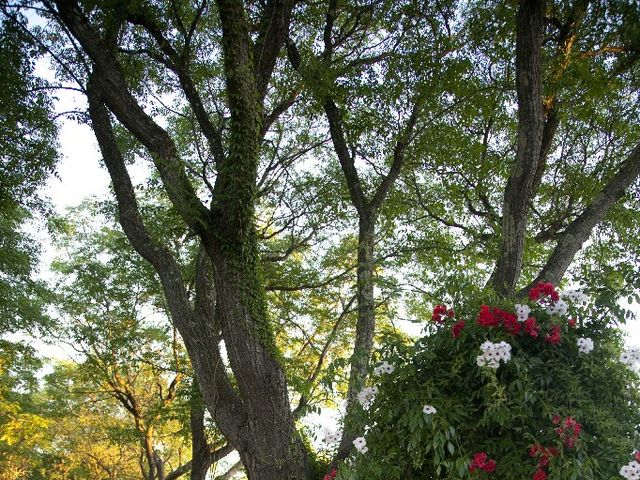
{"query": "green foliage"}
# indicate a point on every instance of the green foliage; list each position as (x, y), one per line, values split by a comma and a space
(27, 157)
(503, 411)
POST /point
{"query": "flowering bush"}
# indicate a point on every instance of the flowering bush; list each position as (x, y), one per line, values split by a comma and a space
(534, 390)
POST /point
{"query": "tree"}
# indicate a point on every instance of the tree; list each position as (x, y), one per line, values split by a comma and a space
(22, 426)
(28, 155)
(219, 157)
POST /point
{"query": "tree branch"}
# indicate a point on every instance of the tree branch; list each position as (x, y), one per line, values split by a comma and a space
(578, 231)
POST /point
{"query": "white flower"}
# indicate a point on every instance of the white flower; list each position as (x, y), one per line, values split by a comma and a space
(557, 308)
(576, 296)
(429, 410)
(383, 368)
(493, 353)
(631, 357)
(486, 346)
(631, 471)
(361, 445)
(330, 436)
(365, 397)
(493, 364)
(585, 345)
(522, 311)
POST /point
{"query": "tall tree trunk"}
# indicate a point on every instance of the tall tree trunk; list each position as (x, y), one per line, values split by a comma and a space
(519, 189)
(365, 327)
(256, 416)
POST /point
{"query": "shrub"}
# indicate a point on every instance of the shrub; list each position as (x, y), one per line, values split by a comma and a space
(546, 397)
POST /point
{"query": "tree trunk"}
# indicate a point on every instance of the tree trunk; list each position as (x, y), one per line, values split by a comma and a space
(365, 327)
(200, 456)
(273, 449)
(519, 189)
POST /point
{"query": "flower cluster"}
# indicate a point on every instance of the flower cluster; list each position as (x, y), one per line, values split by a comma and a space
(331, 475)
(440, 312)
(631, 357)
(361, 445)
(383, 368)
(631, 471)
(457, 329)
(522, 311)
(543, 454)
(330, 436)
(492, 353)
(481, 462)
(553, 337)
(495, 317)
(543, 290)
(576, 296)
(365, 397)
(557, 308)
(429, 409)
(568, 431)
(531, 327)
(585, 345)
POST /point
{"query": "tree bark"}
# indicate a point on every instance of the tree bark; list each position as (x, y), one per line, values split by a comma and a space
(519, 189)
(200, 456)
(367, 214)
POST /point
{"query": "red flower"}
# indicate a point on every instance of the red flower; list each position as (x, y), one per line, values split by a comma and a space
(450, 313)
(486, 318)
(457, 328)
(540, 475)
(510, 323)
(637, 456)
(543, 289)
(553, 337)
(480, 462)
(534, 449)
(569, 432)
(494, 317)
(331, 475)
(531, 327)
(572, 323)
(490, 466)
(438, 312)
(556, 419)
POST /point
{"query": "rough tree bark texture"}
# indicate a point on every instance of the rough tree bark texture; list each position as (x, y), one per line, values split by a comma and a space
(519, 189)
